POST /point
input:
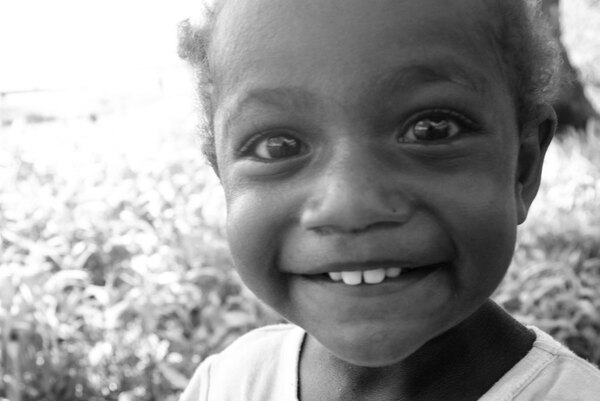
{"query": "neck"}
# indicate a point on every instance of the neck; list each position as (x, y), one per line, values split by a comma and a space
(478, 351)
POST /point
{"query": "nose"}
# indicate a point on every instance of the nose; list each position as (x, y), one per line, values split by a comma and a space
(353, 193)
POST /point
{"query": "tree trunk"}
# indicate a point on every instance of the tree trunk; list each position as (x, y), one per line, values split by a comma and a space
(572, 107)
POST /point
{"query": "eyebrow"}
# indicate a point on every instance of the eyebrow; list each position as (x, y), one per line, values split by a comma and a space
(299, 100)
(286, 98)
(444, 72)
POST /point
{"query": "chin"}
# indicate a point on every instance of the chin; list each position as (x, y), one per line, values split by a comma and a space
(375, 349)
(375, 358)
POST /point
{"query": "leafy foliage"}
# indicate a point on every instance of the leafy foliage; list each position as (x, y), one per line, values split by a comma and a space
(554, 281)
(115, 281)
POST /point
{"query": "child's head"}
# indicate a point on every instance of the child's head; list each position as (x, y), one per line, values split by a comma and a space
(357, 138)
(528, 55)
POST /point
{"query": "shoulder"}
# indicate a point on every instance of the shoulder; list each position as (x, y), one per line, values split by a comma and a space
(254, 343)
(566, 376)
(260, 362)
(549, 372)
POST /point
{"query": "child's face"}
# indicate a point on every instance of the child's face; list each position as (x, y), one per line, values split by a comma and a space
(360, 135)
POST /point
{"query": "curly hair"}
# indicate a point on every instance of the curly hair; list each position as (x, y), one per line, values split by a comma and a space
(529, 52)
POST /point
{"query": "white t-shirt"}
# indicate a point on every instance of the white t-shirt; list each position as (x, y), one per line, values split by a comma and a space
(263, 366)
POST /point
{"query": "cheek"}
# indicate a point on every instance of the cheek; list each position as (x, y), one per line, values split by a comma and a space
(484, 224)
(254, 227)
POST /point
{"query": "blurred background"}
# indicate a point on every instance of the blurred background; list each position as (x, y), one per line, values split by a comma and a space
(115, 280)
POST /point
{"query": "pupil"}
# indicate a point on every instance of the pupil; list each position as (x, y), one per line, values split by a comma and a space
(431, 129)
(279, 147)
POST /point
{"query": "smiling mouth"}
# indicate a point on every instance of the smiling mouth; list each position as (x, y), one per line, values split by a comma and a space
(377, 275)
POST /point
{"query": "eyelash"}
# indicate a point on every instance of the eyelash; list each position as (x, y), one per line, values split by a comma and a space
(250, 145)
(466, 124)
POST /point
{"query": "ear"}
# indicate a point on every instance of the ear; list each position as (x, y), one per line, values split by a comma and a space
(534, 141)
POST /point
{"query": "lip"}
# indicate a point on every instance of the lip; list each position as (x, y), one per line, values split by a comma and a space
(367, 265)
(402, 287)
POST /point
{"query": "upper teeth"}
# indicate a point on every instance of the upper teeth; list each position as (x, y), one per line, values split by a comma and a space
(374, 276)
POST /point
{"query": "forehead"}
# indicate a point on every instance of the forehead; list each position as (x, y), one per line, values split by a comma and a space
(333, 46)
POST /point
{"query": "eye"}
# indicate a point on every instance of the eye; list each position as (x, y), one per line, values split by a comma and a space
(435, 126)
(274, 146)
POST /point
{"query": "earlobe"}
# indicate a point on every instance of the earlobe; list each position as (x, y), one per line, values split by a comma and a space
(522, 207)
(536, 136)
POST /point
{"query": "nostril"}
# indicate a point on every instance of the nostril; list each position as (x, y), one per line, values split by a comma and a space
(382, 225)
(352, 207)
(325, 230)
(354, 215)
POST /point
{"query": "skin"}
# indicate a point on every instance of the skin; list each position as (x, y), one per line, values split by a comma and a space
(346, 82)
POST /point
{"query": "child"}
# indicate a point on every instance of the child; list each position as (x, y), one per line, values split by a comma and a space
(377, 157)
